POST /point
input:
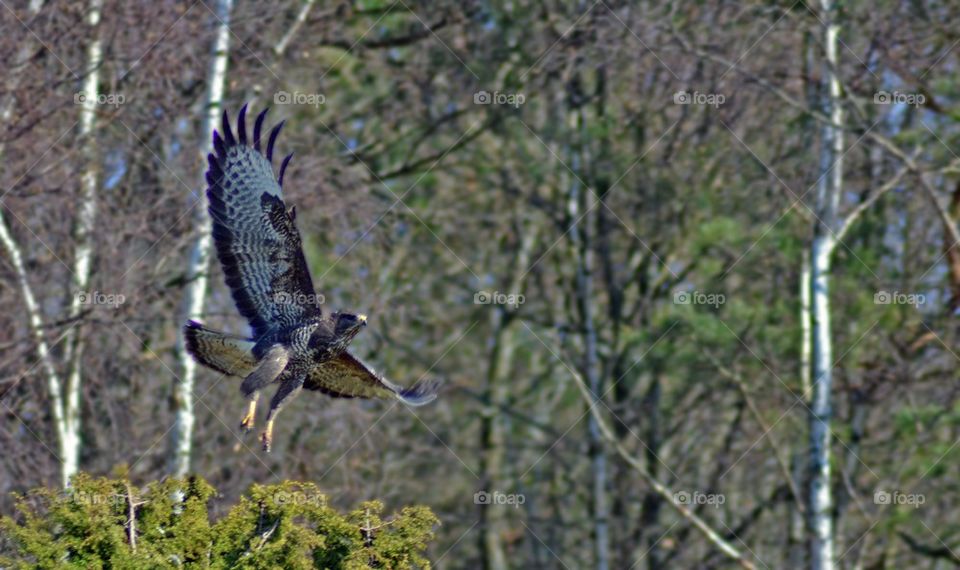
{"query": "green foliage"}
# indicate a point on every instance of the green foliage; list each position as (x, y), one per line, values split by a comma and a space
(276, 526)
(714, 231)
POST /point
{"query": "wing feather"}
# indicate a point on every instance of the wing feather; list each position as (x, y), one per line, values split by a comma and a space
(227, 133)
(257, 242)
(274, 132)
(242, 126)
(283, 168)
(257, 127)
(346, 376)
(222, 352)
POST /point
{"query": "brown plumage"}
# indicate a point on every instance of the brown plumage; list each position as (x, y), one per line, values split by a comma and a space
(294, 343)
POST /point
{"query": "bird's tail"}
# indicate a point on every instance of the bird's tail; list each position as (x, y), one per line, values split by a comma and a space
(220, 351)
(421, 393)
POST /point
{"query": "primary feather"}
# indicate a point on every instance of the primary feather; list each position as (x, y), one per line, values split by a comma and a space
(257, 244)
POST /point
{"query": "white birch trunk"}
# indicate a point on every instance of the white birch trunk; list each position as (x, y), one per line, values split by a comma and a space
(806, 342)
(36, 323)
(83, 248)
(795, 524)
(197, 271)
(66, 416)
(831, 186)
(34, 318)
(821, 497)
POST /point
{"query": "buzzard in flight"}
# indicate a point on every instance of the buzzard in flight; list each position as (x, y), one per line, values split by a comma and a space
(294, 342)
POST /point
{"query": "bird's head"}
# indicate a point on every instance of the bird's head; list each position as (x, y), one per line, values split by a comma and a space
(347, 325)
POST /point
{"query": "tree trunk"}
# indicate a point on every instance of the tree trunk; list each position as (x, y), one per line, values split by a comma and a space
(493, 440)
(83, 252)
(806, 340)
(796, 527)
(197, 272)
(821, 498)
(828, 196)
(36, 323)
(951, 253)
(34, 318)
(284, 42)
(580, 234)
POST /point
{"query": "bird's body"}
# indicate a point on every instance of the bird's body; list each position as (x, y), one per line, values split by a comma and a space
(294, 342)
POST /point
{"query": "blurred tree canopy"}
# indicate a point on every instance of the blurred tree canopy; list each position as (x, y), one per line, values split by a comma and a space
(109, 523)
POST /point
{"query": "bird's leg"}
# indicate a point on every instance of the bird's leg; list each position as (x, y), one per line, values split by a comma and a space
(268, 369)
(248, 420)
(288, 390)
(267, 436)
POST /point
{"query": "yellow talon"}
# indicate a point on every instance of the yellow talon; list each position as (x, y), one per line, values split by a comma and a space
(267, 436)
(246, 424)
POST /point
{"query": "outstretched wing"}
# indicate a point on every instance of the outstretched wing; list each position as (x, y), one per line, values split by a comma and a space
(257, 241)
(225, 353)
(347, 377)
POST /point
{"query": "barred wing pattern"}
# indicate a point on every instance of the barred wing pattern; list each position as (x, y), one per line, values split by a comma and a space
(347, 377)
(256, 239)
(225, 353)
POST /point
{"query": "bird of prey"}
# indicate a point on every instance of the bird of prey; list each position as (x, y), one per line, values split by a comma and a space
(294, 342)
